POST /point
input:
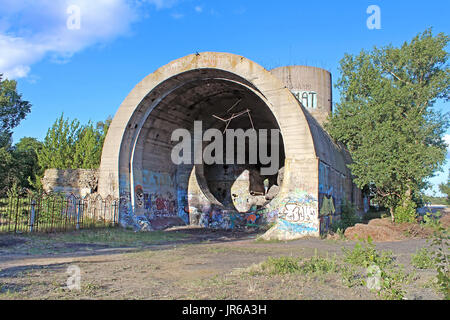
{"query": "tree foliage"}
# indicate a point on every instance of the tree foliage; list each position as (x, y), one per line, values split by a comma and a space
(12, 109)
(70, 145)
(385, 116)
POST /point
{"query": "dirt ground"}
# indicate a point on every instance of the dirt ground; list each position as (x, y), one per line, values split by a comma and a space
(184, 263)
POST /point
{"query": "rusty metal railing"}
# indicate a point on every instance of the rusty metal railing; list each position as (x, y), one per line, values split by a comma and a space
(31, 212)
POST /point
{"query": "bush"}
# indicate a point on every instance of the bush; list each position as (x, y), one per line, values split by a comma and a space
(422, 259)
(348, 217)
(364, 255)
(441, 259)
(405, 212)
(281, 265)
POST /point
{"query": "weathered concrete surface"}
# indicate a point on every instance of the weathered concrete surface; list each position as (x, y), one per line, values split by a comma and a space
(136, 164)
(79, 182)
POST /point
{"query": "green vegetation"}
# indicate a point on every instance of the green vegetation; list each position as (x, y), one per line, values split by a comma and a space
(12, 110)
(386, 121)
(70, 145)
(358, 265)
(18, 162)
(422, 259)
(288, 265)
(118, 237)
(348, 218)
(364, 254)
(406, 211)
(441, 257)
(379, 264)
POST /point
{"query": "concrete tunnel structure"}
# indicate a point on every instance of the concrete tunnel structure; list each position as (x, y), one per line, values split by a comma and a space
(302, 198)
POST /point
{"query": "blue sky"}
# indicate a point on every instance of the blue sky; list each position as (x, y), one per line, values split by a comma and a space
(86, 73)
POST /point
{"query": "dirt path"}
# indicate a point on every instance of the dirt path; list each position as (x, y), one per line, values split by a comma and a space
(205, 266)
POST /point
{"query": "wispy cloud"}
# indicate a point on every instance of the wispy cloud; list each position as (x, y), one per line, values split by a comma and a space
(177, 15)
(198, 9)
(447, 141)
(33, 30)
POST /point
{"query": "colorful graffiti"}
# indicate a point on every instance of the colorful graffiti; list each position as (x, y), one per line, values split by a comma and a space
(295, 214)
(183, 205)
(297, 228)
(159, 205)
(299, 207)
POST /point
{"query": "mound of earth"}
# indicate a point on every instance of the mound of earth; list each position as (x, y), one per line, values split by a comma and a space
(386, 230)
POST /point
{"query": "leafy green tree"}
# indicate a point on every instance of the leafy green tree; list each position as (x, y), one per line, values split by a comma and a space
(58, 148)
(385, 116)
(7, 176)
(25, 155)
(70, 145)
(12, 109)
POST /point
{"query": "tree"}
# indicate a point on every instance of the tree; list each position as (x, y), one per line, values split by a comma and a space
(385, 116)
(445, 188)
(25, 155)
(69, 145)
(12, 109)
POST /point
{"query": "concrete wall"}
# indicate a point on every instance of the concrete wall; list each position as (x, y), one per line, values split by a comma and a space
(136, 161)
(79, 182)
(311, 86)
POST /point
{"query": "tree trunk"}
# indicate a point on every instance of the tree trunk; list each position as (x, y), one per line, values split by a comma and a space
(392, 214)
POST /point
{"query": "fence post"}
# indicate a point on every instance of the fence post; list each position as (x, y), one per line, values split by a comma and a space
(78, 214)
(33, 214)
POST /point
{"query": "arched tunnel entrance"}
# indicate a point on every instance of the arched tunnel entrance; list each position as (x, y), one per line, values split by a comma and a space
(214, 99)
(223, 92)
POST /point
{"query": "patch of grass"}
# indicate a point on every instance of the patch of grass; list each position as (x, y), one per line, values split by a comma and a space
(261, 240)
(319, 265)
(114, 236)
(290, 265)
(350, 277)
(422, 259)
(281, 265)
(364, 255)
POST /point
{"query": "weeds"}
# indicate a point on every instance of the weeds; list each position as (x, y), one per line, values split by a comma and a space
(281, 265)
(422, 259)
(440, 245)
(364, 255)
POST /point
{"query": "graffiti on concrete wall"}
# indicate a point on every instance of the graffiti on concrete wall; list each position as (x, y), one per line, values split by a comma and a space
(296, 214)
(160, 205)
(307, 98)
(183, 205)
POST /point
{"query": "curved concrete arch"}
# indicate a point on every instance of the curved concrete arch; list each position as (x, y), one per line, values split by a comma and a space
(120, 147)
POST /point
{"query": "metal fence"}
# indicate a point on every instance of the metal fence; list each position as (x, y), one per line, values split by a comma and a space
(55, 212)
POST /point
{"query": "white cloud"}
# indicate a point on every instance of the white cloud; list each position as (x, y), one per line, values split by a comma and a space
(177, 15)
(33, 30)
(447, 140)
(198, 9)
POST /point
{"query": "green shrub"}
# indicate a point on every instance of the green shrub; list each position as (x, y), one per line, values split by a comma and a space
(364, 255)
(432, 220)
(441, 257)
(406, 212)
(422, 259)
(319, 265)
(392, 281)
(348, 217)
(281, 265)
